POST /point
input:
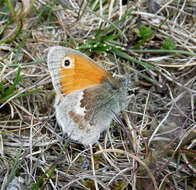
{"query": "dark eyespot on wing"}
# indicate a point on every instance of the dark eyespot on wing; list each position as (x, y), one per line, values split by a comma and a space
(66, 62)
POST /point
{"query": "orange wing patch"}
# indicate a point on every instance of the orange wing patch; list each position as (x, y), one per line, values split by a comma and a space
(84, 73)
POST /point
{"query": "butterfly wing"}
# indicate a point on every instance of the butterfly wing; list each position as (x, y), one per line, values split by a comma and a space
(70, 117)
(85, 113)
(91, 94)
(82, 73)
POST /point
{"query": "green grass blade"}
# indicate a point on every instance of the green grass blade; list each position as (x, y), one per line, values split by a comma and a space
(16, 81)
(124, 55)
(2, 90)
(99, 30)
(43, 177)
(11, 8)
(3, 99)
(164, 51)
(14, 168)
(28, 93)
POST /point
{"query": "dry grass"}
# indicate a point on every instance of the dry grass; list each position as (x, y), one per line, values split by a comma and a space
(155, 149)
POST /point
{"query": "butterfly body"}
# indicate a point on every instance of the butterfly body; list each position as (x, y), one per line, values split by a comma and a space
(87, 96)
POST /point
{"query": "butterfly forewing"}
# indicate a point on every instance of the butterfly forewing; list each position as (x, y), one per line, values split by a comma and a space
(84, 72)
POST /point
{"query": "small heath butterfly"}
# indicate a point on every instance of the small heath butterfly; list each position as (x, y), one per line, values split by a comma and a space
(86, 95)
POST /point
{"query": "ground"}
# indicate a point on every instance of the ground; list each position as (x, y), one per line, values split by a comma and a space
(150, 145)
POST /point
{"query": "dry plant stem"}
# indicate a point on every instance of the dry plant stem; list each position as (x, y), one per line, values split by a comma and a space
(184, 136)
(110, 161)
(118, 174)
(110, 9)
(31, 144)
(175, 66)
(135, 158)
(44, 171)
(64, 28)
(23, 109)
(93, 168)
(174, 100)
(188, 163)
(135, 147)
(5, 76)
(144, 114)
(131, 131)
(1, 145)
(172, 143)
(107, 158)
(11, 109)
(19, 93)
(164, 6)
(77, 157)
(160, 124)
(164, 179)
(107, 138)
(101, 9)
(4, 160)
(120, 9)
(193, 107)
(6, 175)
(65, 187)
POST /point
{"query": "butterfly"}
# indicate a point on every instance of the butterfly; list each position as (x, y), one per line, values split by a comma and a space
(86, 95)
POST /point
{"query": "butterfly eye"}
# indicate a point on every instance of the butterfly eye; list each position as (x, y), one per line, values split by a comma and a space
(67, 62)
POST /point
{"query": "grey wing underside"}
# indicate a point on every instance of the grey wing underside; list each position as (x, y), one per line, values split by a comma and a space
(70, 116)
(54, 58)
(84, 114)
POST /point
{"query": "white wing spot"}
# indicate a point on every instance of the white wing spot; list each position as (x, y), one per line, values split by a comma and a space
(77, 107)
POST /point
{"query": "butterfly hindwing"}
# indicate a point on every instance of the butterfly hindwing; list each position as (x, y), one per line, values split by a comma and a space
(84, 114)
